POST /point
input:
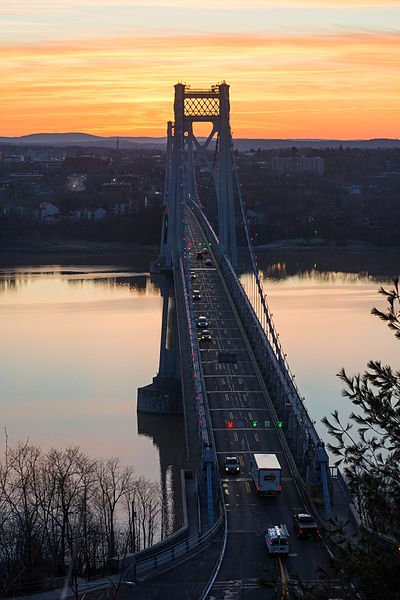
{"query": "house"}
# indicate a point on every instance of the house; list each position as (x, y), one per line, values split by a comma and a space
(90, 214)
(354, 189)
(49, 213)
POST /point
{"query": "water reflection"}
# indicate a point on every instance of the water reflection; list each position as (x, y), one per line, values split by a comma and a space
(76, 344)
(12, 280)
(280, 270)
(357, 263)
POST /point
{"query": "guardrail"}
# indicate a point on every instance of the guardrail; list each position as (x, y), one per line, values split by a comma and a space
(142, 569)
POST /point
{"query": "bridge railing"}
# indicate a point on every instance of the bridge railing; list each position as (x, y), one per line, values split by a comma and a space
(198, 382)
(161, 561)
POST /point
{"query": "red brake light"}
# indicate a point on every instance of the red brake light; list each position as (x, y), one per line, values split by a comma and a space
(258, 488)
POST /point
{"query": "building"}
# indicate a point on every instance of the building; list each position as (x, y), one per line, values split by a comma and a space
(354, 189)
(48, 213)
(89, 214)
(116, 192)
(299, 164)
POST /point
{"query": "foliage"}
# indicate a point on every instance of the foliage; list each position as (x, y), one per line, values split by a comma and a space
(371, 461)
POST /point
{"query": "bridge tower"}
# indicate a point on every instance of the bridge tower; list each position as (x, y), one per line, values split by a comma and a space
(183, 147)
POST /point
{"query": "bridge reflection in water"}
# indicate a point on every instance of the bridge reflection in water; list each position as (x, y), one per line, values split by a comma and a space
(167, 433)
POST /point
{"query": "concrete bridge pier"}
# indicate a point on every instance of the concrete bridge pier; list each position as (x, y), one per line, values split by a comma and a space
(164, 395)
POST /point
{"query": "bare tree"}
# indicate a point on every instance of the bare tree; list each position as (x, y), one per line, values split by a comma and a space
(114, 482)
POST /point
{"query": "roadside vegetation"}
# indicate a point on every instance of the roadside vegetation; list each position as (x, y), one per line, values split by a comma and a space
(368, 450)
(62, 512)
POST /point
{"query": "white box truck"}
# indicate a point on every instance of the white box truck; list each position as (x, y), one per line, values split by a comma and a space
(266, 473)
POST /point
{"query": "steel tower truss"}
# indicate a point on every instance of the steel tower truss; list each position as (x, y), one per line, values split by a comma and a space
(193, 106)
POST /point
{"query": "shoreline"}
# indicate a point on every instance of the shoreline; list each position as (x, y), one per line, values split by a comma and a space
(352, 256)
(80, 252)
(297, 245)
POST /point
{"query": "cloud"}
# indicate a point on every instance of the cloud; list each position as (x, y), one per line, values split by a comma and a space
(342, 85)
(28, 5)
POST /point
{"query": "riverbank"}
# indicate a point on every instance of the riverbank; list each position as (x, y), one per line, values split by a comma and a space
(79, 252)
(279, 259)
(301, 245)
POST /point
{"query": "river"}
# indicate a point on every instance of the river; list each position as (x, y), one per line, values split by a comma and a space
(78, 340)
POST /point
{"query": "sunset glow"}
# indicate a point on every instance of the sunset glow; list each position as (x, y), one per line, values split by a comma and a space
(303, 69)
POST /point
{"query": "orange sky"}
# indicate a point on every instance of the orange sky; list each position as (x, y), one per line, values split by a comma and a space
(312, 81)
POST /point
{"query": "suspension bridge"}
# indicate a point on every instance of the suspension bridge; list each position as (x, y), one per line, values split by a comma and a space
(234, 386)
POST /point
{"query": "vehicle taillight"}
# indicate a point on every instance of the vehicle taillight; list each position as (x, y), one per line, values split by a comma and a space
(280, 488)
(317, 531)
(258, 488)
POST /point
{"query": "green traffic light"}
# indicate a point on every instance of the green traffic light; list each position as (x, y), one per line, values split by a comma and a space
(254, 423)
(280, 424)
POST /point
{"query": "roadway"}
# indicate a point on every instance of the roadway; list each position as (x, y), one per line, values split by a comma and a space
(242, 424)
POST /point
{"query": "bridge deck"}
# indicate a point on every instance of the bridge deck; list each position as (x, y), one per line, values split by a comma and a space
(243, 422)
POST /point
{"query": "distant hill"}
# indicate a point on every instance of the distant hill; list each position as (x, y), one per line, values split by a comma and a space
(242, 144)
(80, 139)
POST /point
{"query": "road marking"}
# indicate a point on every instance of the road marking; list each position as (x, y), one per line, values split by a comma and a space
(235, 436)
(235, 479)
(256, 437)
(250, 416)
(230, 414)
(247, 485)
(285, 591)
(241, 461)
(226, 397)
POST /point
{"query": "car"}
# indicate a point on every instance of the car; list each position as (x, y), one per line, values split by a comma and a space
(199, 255)
(205, 335)
(196, 295)
(192, 276)
(202, 321)
(204, 251)
(208, 262)
(305, 525)
(231, 465)
(276, 539)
